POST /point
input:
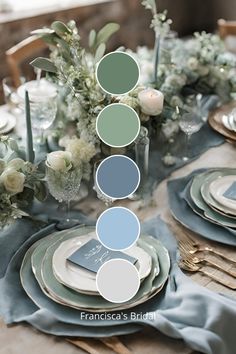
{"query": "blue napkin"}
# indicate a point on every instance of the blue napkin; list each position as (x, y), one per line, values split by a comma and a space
(205, 320)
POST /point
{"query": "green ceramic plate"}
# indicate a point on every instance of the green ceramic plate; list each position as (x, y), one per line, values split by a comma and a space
(199, 192)
(67, 296)
(207, 197)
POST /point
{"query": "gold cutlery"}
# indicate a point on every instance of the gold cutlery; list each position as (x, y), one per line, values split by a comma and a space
(192, 267)
(193, 247)
(185, 254)
(86, 345)
(116, 345)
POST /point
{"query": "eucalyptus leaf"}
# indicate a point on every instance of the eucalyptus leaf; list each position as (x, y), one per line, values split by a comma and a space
(44, 64)
(64, 47)
(106, 32)
(50, 38)
(92, 38)
(60, 28)
(100, 52)
(40, 191)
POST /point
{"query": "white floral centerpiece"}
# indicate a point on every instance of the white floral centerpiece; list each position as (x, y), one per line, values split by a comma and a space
(172, 74)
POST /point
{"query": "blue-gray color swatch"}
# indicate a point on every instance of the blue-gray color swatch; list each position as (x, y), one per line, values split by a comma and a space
(118, 228)
(118, 176)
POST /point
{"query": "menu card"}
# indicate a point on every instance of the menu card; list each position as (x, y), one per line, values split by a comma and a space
(93, 254)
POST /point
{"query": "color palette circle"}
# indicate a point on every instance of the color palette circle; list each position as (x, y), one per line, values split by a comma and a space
(118, 228)
(118, 125)
(117, 280)
(117, 176)
(117, 73)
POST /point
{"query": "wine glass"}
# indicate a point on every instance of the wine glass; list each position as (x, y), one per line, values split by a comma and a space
(190, 123)
(43, 105)
(64, 187)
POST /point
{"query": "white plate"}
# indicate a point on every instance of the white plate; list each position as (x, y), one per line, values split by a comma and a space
(82, 280)
(218, 187)
(226, 122)
(3, 121)
(10, 125)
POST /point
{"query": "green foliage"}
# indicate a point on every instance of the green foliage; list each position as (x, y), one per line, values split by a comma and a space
(44, 64)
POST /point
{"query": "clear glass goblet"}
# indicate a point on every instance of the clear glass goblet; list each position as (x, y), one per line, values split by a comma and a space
(64, 187)
(189, 123)
(104, 198)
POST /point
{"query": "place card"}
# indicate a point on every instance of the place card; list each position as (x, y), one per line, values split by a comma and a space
(93, 254)
(230, 193)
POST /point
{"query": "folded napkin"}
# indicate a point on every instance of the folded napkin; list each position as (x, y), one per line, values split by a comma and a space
(206, 321)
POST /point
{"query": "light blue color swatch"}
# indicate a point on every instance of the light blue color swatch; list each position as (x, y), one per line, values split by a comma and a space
(118, 228)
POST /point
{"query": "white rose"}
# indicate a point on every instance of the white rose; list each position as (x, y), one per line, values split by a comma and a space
(59, 160)
(16, 164)
(192, 63)
(151, 101)
(13, 180)
(2, 165)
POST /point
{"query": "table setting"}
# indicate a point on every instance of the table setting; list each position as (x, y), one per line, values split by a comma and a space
(53, 151)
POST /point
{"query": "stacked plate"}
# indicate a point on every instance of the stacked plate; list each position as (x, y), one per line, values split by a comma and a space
(207, 196)
(7, 121)
(223, 120)
(205, 202)
(75, 287)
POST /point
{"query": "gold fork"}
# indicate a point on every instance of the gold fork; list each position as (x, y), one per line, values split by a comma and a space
(191, 267)
(193, 247)
(197, 260)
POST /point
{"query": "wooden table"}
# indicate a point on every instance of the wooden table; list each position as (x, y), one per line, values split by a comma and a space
(24, 339)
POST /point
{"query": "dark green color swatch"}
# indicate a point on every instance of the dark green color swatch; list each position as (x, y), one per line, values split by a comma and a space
(117, 73)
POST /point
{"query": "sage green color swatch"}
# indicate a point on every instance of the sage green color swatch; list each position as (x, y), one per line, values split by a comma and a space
(118, 125)
(117, 73)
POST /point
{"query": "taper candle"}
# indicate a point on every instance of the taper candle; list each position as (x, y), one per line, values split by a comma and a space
(29, 136)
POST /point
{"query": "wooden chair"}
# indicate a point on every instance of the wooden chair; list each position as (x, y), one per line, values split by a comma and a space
(226, 28)
(16, 55)
(227, 31)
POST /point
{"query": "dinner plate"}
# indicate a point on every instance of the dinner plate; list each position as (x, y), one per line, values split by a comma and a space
(219, 187)
(226, 123)
(93, 303)
(196, 195)
(205, 191)
(3, 122)
(82, 280)
(10, 123)
(86, 302)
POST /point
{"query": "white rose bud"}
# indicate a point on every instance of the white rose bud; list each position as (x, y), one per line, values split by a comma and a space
(13, 181)
(151, 101)
(16, 164)
(59, 160)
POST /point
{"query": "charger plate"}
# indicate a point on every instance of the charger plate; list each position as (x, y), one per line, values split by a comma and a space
(95, 303)
(215, 120)
(43, 301)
